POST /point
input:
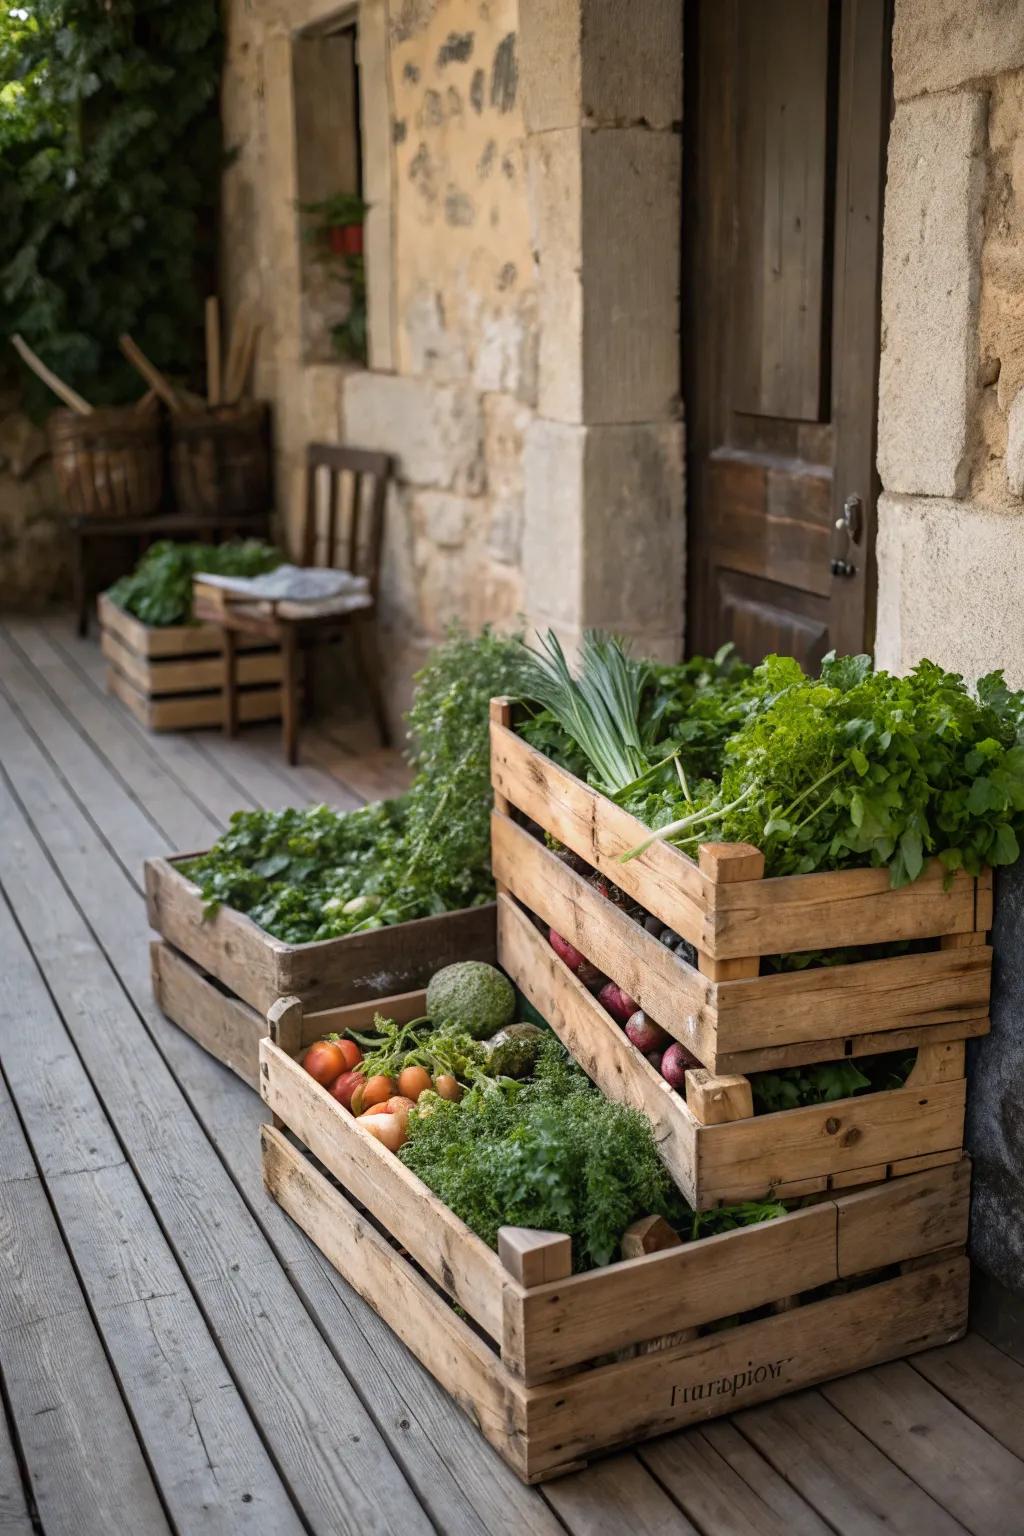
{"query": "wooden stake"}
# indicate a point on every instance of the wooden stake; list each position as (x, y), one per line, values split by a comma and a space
(244, 329)
(150, 372)
(535, 1257)
(63, 391)
(212, 350)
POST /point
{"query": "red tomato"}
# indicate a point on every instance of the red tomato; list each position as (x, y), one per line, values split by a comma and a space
(324, 1061)
(344, 1087)
(353, 1055)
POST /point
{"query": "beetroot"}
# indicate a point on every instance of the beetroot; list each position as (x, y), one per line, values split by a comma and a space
(645, 1034)
(675, 1064)
(654, 1057)
(618, 1003)
(591, 977)
(564, 950)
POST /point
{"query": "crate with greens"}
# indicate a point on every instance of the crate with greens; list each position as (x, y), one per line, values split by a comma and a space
(520, 1233)
(341, 907)
(769, 890)
(168, 669)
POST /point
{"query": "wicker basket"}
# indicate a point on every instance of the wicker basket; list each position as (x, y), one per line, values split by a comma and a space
(220, 459)
(109, 463)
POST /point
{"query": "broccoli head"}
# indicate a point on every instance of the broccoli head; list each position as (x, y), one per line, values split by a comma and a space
(473, 996)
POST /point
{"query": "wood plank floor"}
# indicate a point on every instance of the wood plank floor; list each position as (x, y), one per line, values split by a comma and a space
(176, 1357)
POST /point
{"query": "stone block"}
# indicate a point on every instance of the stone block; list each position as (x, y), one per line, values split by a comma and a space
(434, 431)
(930, 279)
(442, 519)
(608, 308)
(604, 530)
(505, 424)
(596, 62)
(1015, 446)
(937, 44)
(946, 588)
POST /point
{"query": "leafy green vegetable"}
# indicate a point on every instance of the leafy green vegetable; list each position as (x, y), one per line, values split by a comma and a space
(726, 1218)
(159, 590)
(418, 1043)
(321, 874)
(551, 1153)
(823, 1083)
(473, 996)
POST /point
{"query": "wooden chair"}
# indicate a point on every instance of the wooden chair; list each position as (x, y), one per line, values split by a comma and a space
(340, 532)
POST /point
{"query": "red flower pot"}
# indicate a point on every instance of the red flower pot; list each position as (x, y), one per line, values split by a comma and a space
(345, 239)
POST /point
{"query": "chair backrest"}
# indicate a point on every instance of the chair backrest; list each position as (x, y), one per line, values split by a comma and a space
(344, 519)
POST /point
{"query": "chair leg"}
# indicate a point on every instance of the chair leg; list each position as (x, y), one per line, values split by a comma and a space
(290, 694)
(230, 695)
(371, 676)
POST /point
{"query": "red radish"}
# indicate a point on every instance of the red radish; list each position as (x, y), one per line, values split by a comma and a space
(645, 1034)
(564, 950)
(675, 1064)
(618, 1003)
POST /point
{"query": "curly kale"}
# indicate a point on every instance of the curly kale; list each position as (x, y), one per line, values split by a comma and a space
(551, 1153)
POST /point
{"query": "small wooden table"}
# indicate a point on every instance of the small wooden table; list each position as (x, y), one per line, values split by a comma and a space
(163, 525)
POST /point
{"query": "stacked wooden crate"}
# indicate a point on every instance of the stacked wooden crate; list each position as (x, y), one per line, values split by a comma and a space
(216, 974)
(171, 677)
(732, 1017)
(554, 1367)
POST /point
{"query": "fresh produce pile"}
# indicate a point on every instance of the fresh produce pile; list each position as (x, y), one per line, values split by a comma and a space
(159, 590)
(322, 874)
(496, 1119)
(852, 768)
(785, 1088)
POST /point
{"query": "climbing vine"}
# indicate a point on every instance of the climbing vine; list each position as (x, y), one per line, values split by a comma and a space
(110, 159)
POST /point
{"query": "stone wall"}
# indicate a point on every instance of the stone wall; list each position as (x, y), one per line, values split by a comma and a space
(452, 382)
(533, 412)
(951, 389)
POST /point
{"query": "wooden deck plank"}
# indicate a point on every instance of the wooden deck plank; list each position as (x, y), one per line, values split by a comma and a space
(15, 1518)
(593, 1502)
(852, 1485)
(984, 1383)
(956, 1461)
(183, 821)
(179, 751)
(725, 1486)
(86, 1468)
(283, 1367)
(204, 1450)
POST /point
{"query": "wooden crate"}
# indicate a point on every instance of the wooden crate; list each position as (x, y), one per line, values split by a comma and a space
(733, 1018)
(560, 1367)
(171, 677)
(232, 1030)
(257, 968)
(717, 1150)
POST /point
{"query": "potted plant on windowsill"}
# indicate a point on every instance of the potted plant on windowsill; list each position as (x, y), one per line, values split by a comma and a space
(339, 223)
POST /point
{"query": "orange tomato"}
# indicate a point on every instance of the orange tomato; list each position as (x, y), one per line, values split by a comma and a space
(324, 1061)
(378, 1089)
(412, 1081)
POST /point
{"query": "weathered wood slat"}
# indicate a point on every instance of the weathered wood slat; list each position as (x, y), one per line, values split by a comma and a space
(435, 1237)
(929, 1209)
(195, 674)
(222, 1024)
(160, 641)
(787, 1153)
(259, 968)
(190, 711)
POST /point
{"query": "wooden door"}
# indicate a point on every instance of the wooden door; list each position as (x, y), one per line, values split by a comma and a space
(787, 111)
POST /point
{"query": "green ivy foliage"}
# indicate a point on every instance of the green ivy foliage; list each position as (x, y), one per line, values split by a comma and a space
(110, 160)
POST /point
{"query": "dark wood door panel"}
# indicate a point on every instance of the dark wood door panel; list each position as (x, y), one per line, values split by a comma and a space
(771, 519)
(783, 158)
(760, 617)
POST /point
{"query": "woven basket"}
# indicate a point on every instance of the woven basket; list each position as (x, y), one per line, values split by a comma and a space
(220, 460)
(109, 463)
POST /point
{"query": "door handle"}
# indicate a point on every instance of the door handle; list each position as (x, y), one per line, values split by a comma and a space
(849, 520)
